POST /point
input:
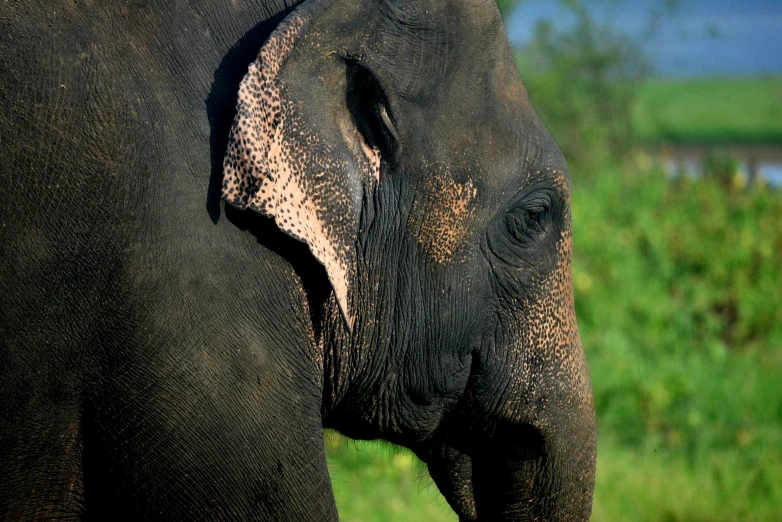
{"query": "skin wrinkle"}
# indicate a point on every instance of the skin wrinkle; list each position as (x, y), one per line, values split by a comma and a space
(265, 170)
(198, 333)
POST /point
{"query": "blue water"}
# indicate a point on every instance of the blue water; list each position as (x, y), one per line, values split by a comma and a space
(772, 172)
(699, 38)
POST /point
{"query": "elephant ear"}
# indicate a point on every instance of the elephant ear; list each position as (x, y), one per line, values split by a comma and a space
(289, 156)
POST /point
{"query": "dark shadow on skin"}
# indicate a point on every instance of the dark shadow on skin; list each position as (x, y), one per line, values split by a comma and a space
(221, 102)
(221, 109)
(312, 274)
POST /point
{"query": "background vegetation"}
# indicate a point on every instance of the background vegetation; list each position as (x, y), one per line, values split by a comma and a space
(710, 110)
(678, 287)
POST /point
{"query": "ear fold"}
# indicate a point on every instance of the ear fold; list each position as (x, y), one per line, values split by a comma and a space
(288, 155)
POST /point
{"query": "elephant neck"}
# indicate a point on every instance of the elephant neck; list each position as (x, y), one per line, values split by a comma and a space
(359, 391)
(341, 364)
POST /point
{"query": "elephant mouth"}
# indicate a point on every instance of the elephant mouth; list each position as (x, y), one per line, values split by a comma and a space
(496, 477)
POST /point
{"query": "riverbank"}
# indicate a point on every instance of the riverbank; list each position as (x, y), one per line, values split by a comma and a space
(735, 121)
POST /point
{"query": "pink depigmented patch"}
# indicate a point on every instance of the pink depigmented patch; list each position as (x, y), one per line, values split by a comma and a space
(278, 167)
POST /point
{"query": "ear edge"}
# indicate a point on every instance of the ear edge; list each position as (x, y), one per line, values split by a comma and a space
(256, 157)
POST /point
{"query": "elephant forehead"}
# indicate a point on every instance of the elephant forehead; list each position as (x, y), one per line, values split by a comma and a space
(440, 216)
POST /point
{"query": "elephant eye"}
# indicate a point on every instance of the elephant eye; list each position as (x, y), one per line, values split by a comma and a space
(524, 225)
(535, 216)
(368, 105)
(526, 232)
(529, 218)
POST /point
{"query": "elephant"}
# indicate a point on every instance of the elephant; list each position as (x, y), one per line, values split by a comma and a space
(229, 226)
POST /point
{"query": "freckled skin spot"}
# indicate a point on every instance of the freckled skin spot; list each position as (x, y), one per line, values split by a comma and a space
(443, 213)
(266, 170)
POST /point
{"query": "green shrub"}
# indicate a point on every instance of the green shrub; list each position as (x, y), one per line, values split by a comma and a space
(584, 81)
(679, 298)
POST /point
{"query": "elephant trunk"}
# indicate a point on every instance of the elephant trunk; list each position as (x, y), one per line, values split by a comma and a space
(541, 477)
(543, 470)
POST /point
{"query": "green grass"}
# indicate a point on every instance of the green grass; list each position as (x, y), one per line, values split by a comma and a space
(651, 486)
(739, 110)
(375, 483)
(679, 297)
(379, 482)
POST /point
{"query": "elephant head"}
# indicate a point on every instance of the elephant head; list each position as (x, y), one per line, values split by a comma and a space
(395, 138)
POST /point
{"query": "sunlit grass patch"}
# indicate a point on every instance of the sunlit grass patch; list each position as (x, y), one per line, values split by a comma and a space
(647, 485)
(379, 482)
(711, 110)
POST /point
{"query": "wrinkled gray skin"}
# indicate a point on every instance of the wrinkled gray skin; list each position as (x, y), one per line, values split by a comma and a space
(166, 356)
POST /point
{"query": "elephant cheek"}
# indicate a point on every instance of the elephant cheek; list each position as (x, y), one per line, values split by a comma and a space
(451, 470)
